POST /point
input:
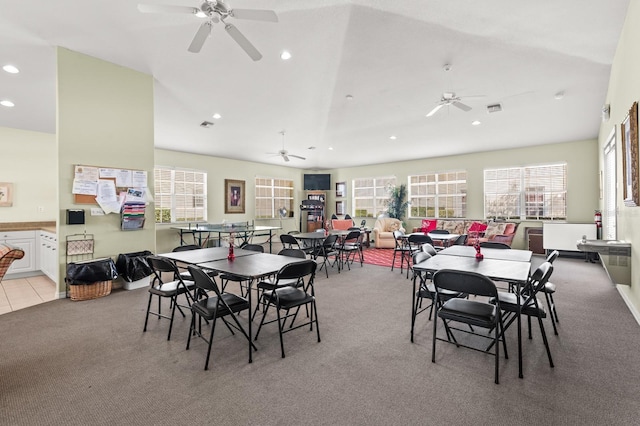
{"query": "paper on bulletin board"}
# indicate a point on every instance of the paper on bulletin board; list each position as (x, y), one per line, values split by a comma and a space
(85, 187)
(107, 197)
(86, 173)
(123, 178)
(139, 178)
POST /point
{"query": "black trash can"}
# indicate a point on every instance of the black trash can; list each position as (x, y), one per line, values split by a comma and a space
(134, 266)
(90, 279)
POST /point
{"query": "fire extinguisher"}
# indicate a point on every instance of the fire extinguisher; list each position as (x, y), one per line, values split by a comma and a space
(598, 219)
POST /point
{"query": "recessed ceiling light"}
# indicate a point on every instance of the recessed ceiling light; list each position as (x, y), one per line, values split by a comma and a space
(285, 55)
(7, 103)
(476, 123)
(559, 95)
(349, 97)
(393, 137)
(11, 69)
(217, 116)
(201, 14)
(330, 148)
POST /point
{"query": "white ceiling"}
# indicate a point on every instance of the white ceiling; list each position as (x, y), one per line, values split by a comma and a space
(388, 55)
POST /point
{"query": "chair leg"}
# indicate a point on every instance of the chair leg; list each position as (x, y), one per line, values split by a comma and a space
(314, 314)
(280, 331)
(553, 308)
(497, 354)
(546, 342)
(213, 329)
(146, 320)
(192, 328)
(173, 314)
(551, 313)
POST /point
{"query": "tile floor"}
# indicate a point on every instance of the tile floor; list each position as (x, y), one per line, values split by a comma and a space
(24, 292)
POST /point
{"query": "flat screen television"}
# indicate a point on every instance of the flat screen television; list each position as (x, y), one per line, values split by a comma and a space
(316, 182)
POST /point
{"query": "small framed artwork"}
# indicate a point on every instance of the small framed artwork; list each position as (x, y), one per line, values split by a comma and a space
(341, 189)
(234, 197)
(6, 194)
(339, 207)
(630, 158)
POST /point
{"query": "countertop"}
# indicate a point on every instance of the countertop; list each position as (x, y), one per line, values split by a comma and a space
(48, 226)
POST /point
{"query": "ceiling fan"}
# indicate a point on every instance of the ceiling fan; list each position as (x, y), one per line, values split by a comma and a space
(284, 153)
(216, 11)
(450, 98)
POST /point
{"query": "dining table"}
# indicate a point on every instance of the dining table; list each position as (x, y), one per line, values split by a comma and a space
(310, 240)
(488, 253)
(252, 268)
(512, 271)
(194, 257)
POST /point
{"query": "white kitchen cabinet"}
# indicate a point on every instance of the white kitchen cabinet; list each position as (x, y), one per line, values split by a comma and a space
(26, 240)
(49, 254)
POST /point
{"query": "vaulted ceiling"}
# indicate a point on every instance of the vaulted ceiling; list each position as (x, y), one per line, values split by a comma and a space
(361, 72)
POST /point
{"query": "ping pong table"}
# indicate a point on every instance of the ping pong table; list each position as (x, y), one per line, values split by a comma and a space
(243, 232)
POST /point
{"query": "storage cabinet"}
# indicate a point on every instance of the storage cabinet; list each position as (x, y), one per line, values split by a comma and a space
(26, 240)
(312, 211)
(49, 255)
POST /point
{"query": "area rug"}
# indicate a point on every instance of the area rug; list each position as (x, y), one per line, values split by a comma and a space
(380, 257)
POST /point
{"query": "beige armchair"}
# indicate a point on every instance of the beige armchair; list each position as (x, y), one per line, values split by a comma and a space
(383, 232)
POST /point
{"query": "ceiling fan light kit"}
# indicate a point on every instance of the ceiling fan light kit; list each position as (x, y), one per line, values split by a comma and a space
(217, 11)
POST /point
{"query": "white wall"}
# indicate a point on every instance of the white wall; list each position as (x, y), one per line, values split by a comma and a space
(624, 90)
(29, 161)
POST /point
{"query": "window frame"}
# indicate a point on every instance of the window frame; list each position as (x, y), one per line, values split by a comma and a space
(527, 190)
(432, 178)
(273, 196)
(173, 196)
(380, 183)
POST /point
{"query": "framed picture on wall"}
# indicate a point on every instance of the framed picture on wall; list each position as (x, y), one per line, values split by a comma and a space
(341, 189)
(6, 194)
(630, 170)
(234, 196)
(339, 207)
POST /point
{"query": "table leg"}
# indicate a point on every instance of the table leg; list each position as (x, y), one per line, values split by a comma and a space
(249, 284)
(413, 304)
(519, 332)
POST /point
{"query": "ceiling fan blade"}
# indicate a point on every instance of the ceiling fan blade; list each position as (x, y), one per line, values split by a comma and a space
(297, 156)
(461, 106)
(436, 109)
(243, 42)
(163, 8)
(201, 36)
(285, 157)
(255, 14)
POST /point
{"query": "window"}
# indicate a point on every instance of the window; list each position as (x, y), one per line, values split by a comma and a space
(532, 192)
(370, 195)
(440, 195)
(181, 195)
(609, 215)
(273, 194)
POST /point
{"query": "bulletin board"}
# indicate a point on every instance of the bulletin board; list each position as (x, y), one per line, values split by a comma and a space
(124, 179)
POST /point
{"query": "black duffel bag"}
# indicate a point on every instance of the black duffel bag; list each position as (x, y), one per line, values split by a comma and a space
(91, 271)
(134, 266)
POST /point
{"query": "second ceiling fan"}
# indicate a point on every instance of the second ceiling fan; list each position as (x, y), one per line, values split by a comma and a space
(450, 98)
(216, 11)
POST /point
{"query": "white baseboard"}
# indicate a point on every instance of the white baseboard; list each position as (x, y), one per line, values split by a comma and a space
(623, 289)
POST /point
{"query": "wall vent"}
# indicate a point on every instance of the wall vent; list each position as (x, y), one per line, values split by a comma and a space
(206, 124)
(494, 108)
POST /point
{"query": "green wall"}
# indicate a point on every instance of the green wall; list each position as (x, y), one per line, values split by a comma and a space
(624, 90)
(104, 119)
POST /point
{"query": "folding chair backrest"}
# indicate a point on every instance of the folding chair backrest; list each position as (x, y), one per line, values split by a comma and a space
(289, 241)
(202, 280)
(352, 236)
(465, 282)
(253, 247)
(297, 270)
(439, 231)
(540, 277)
(495, 245)
(461, 240)
(292, 253)
(553, 256)
(186, 248)
(416, 240)
(160, 264)
(428, 248)
(420, 256)
(330, 241)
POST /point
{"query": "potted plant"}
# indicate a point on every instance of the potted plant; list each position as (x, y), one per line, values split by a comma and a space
(397, 203)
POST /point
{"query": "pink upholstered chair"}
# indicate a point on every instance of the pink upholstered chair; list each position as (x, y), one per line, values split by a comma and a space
(7, 255)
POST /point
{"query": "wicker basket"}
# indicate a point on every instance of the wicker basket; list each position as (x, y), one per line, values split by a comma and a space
(90, 291)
